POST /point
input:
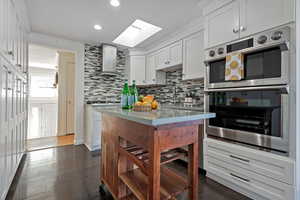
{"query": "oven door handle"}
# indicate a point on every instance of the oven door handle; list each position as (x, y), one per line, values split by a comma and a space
(284, 89)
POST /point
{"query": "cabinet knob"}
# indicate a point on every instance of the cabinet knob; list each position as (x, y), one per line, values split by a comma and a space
(11, 53)
(153, 79)
(235, 30)
(242, 28)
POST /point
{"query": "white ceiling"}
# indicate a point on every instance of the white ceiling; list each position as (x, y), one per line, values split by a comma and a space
(42, 57)
(74, 19)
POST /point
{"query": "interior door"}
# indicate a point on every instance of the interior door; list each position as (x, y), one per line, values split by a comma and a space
(66, 89)
(222, 26)
(260, 15)
(70, 97)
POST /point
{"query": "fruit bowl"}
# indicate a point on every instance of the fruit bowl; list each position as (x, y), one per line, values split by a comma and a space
(142, 108)
(145, 104)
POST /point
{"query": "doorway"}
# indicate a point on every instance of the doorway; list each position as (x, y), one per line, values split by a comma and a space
(51, 98)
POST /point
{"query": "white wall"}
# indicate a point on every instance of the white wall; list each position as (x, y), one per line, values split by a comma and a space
(298, 100)
(194, 26)
(78, 49)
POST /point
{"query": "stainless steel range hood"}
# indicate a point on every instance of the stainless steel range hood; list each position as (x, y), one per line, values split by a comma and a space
(109, 60)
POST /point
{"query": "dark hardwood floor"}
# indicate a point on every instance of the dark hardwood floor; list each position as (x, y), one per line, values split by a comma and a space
(72, 172)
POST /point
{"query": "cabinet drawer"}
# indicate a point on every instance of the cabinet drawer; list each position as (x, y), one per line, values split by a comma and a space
(248, 182)
(266, 164)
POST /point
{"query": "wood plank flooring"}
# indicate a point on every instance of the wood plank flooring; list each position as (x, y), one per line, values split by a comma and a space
(49, 142)
(72, 172)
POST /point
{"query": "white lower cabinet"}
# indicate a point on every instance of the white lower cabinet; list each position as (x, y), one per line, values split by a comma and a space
(257, 174)
(92, 127)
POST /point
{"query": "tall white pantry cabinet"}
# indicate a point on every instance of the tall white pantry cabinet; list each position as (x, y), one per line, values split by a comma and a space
(13, 92)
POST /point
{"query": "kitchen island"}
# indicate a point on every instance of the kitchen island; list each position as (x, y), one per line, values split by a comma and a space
(137, 145)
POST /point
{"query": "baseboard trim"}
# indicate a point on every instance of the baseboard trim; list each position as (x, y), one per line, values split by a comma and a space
(12, 177)
(92, 149)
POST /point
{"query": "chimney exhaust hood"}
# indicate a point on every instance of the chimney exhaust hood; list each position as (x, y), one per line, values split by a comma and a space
(109, 59)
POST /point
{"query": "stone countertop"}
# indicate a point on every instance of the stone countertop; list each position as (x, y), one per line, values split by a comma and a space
(158, 117)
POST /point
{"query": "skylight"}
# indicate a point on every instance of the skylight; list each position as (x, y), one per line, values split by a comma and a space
(136, 33)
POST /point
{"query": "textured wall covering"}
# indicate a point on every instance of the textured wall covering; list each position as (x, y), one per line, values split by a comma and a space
(164, 94)
(99, 87)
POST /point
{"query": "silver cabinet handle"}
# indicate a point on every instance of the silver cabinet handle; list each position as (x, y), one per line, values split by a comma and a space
(241, 178)
(238, 158)
(235, 30)
(11, 53)
(242, 28)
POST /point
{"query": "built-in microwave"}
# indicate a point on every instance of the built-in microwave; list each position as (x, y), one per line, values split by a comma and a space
(255, 116)
(265, 59)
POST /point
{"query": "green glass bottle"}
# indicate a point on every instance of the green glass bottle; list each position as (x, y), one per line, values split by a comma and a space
(134, 92)
(125, 96)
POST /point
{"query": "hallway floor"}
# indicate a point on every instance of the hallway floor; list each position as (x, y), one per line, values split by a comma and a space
(49, 142)
(72, 173)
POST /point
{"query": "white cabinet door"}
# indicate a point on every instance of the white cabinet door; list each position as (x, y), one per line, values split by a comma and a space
(260, 15)
(163, 58)
(11, 33)
(150, 69)
(193, 56)
(138, 69)
(222, 25)
(2, 27)
(175, 53)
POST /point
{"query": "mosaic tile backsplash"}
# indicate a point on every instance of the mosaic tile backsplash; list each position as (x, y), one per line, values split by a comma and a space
(101, 88)
(165, 93)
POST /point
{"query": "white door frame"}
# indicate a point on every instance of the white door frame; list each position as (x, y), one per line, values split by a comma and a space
(297, 100)
(78, 49)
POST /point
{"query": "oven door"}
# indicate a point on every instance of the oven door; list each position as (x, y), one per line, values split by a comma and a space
(252, 115)
(266, 66)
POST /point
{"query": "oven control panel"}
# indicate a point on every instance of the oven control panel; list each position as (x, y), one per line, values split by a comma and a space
(261, 40)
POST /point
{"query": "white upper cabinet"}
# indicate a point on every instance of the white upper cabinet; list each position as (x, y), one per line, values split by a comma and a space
(154, 76)
(150, 69)
(136, 69)
(259, 15)
(241, 18)
(163, 58)
(175, 53)
(170, 56)
(222, 25)
(193, 56)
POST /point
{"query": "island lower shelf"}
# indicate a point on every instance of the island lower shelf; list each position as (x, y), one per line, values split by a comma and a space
(135, 153)
(171, 184)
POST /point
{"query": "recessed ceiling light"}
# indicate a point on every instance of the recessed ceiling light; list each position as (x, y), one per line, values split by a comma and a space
(115, 3)
(136, 33)
(97, 27)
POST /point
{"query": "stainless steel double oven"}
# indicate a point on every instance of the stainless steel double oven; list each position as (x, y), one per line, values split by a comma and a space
(254, 110)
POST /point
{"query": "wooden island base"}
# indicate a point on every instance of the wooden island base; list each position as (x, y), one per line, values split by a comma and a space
(133, 155)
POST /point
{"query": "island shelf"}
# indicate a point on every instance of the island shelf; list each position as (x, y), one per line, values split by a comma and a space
(135, 154)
